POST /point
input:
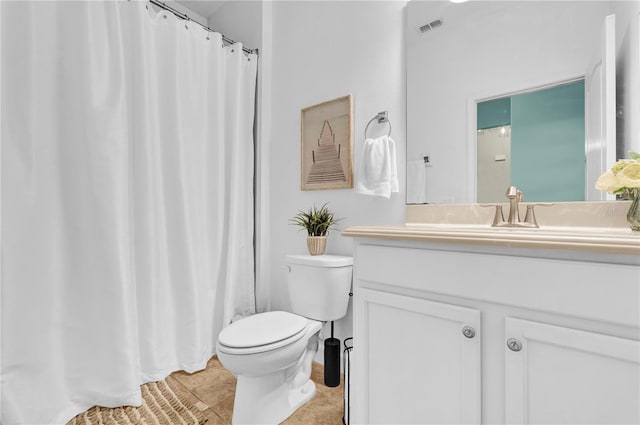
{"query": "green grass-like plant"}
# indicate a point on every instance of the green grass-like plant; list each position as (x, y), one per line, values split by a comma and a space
(316, 221)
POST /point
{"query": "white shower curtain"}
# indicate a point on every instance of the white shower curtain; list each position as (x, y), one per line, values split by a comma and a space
(127, 201)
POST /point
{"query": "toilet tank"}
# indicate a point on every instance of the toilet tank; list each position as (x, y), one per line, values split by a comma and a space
(319, 285)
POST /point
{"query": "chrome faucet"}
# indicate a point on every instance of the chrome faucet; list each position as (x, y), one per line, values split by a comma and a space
(515, 196)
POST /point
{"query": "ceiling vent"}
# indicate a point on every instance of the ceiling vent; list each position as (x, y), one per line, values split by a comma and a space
(431, 25)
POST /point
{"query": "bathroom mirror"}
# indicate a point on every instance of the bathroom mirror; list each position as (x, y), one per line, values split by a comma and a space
(462, 54)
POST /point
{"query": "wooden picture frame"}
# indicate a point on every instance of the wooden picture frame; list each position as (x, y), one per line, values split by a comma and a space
(326, 146)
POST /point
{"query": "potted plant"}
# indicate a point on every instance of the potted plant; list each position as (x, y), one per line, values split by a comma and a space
(317, 222)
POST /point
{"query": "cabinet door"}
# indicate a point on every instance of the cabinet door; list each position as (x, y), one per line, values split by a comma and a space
(562, 375)
(413, 362)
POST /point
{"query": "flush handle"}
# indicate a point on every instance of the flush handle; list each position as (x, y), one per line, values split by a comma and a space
(514, 345)
(469, 332)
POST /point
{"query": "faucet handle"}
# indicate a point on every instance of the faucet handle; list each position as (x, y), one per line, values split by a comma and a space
(498, 217)
(513, 192)
(530, 216)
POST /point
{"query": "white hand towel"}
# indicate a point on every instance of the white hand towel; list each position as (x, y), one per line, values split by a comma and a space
(378, 170)
(416, 182)
(395, 186)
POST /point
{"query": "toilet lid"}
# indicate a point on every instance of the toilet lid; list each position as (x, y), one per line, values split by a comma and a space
(262, 329)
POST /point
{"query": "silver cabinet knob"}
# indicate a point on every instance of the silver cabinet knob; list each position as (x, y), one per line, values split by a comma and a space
(514, 344)
(468, 331)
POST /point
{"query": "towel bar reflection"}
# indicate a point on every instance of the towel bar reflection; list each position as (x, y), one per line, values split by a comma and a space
(381, 117)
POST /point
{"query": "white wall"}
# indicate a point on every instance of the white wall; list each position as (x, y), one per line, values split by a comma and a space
(239, 20)
(627, 75)
(322, 50)
(184, 9)
(493, 175)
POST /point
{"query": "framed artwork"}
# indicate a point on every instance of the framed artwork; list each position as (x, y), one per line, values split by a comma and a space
(326, 148)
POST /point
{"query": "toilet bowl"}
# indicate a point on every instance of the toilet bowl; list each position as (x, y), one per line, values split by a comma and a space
(271, 353)
(272, 378)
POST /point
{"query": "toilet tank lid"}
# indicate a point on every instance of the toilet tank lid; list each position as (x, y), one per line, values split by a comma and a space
(321, 260)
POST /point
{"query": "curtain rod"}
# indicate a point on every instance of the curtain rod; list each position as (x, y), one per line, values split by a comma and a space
(186, 17)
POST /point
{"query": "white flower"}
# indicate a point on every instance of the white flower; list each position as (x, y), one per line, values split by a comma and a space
(623, 176)
(609, 182)
(629, 176)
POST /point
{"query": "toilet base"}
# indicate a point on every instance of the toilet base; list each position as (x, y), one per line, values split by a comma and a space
(269, 400)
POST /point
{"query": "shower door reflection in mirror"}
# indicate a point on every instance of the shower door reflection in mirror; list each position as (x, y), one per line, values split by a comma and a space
(533, 140)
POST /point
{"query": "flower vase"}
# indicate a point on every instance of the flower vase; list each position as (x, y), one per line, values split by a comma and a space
(633, 215)
(316, 244)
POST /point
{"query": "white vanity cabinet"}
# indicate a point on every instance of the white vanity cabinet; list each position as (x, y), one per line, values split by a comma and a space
(457, 334)
(555, 374)
(406, 377)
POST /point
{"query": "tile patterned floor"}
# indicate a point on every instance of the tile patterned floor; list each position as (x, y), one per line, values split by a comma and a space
(212, 391)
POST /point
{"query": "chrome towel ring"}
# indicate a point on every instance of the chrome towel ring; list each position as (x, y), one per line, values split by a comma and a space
(381, 117)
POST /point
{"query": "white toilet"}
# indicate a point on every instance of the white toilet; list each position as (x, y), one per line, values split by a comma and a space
(271, 353)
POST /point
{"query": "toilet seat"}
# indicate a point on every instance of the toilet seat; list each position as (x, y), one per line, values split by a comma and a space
(262, 332)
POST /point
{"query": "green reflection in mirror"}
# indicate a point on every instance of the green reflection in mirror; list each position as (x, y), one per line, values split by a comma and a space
(523, 134)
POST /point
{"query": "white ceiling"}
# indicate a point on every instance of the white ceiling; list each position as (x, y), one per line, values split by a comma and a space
(204, 8)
